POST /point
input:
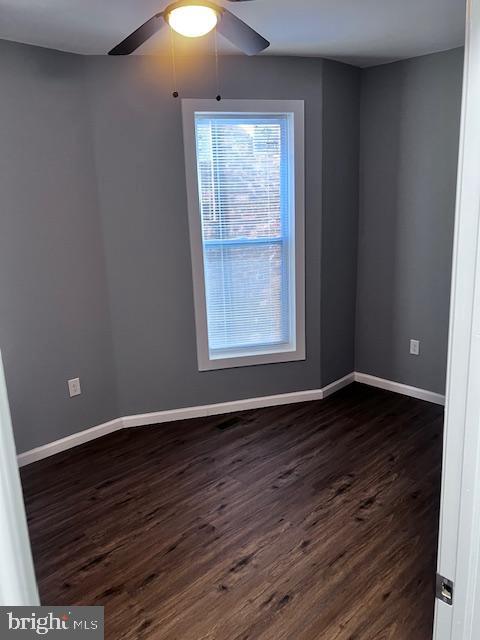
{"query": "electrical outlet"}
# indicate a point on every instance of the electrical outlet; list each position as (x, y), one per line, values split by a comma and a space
(415, 347)
(74, 387)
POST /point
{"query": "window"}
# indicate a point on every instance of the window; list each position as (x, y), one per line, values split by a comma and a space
(244, 164)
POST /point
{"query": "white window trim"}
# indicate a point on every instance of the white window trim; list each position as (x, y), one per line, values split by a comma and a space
(295, 107)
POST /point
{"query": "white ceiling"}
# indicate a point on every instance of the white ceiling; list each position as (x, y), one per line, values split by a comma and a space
(361, 32)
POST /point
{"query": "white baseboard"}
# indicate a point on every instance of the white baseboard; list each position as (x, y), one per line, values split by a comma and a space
(200, 411)
(68, 442)
(338, 384)
(397, 387)
(158, 417)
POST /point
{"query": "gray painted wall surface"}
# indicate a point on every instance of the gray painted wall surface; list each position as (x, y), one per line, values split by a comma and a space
(94, 235)
(95, 275)
(54, 320)
(141, 176)
(341, 114)
(410, 114)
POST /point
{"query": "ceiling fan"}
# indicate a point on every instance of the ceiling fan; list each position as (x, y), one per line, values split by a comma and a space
(194, 18)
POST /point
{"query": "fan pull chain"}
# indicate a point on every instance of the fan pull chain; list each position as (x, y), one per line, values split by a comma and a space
(217, 76)
(174, 66)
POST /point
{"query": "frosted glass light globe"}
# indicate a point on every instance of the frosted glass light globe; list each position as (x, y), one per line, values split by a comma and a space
(193, 21)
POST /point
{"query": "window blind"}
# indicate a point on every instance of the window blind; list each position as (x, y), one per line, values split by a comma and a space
(244, 171)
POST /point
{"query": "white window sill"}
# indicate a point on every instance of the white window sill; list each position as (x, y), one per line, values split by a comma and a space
(231, 362)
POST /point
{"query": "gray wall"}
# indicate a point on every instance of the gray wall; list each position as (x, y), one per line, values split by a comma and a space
(54, 320)
(95, 276)
(341, 104)
(141, 177)
(410, 113)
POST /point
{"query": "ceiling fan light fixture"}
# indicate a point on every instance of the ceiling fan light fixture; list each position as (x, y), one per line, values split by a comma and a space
(192, 21)
(195, 18)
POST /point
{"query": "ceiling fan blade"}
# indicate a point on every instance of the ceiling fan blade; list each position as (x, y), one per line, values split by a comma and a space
(240, 34)
(139, 36)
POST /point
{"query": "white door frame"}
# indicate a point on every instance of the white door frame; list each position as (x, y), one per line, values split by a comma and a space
(459, 541)
(17, 577)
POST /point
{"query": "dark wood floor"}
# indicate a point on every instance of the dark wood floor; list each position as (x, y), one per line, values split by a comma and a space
(302, 522)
